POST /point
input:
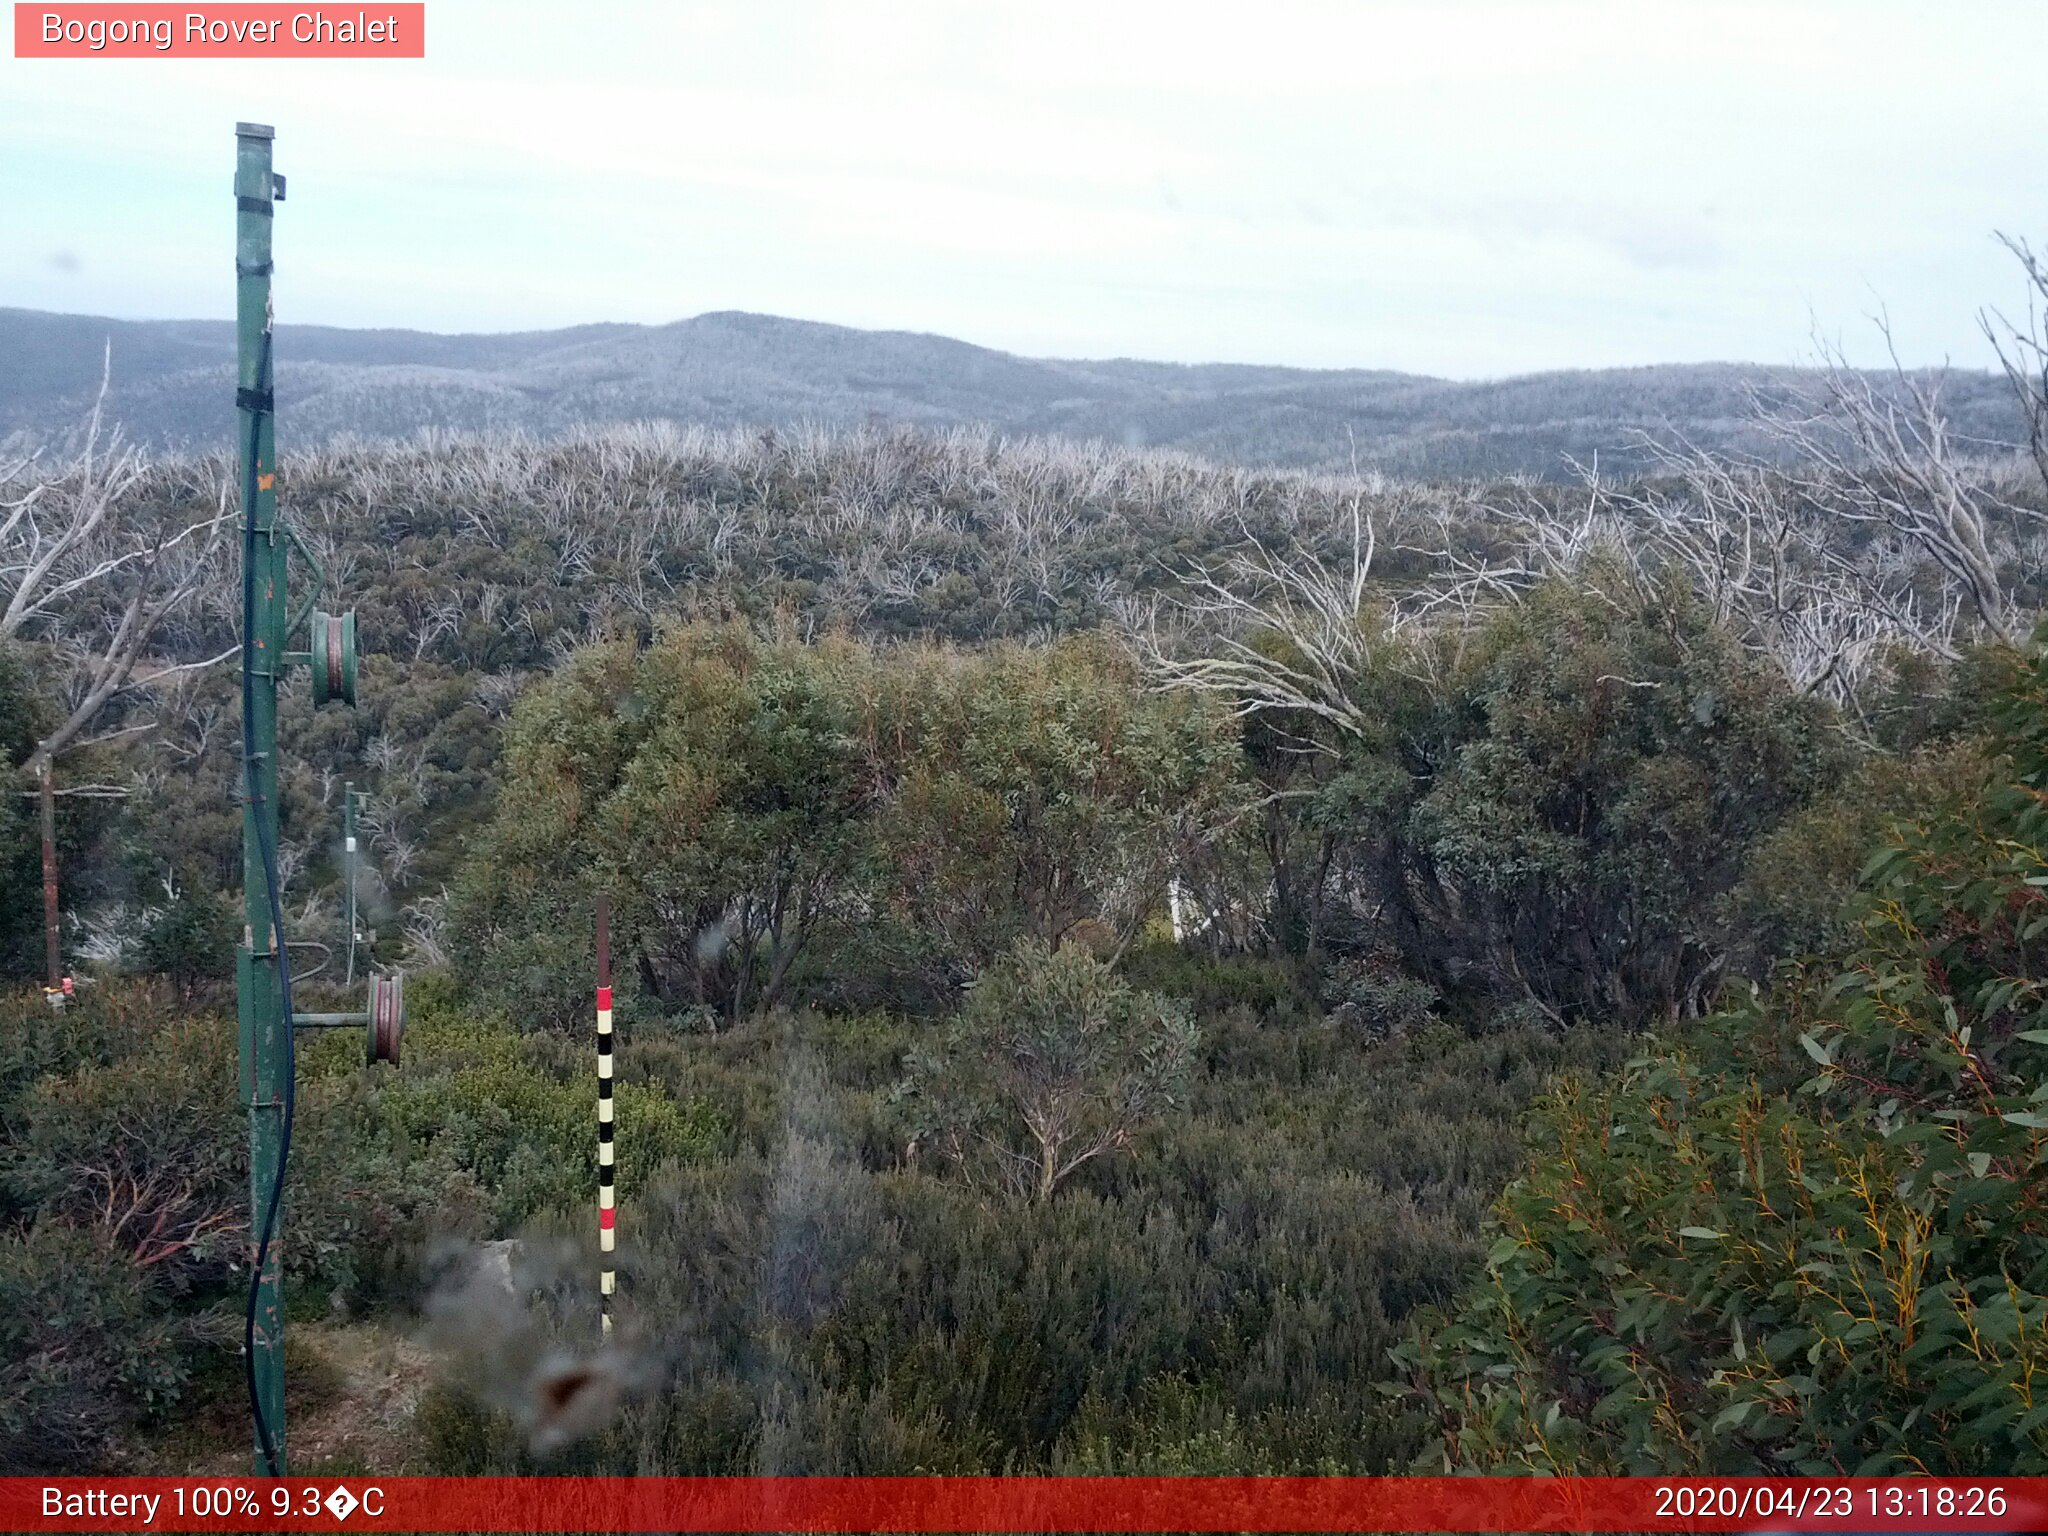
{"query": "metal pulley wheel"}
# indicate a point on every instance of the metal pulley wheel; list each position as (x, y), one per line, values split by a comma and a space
(387, 1016)
(333, 658)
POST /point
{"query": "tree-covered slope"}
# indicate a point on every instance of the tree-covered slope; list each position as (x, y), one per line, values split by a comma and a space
(173, 385)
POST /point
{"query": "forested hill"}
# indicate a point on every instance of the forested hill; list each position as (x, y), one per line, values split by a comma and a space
(173, 387)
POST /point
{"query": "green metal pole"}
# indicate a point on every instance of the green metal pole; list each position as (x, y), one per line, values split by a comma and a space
(348, 854)
(264, 1040)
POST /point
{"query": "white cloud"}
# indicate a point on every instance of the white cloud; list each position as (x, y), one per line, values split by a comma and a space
(1464, 188)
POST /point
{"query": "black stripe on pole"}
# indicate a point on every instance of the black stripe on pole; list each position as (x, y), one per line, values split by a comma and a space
(604, 1087)
(604, 1175)
(260, 206)
(604, 1131)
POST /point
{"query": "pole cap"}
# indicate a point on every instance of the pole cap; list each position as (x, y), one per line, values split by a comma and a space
(255, 131)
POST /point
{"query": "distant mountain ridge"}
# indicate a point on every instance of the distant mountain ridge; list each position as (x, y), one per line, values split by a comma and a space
(173, 387)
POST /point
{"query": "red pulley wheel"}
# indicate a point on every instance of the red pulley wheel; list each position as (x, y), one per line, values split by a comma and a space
(336, 678)
(387, 1016)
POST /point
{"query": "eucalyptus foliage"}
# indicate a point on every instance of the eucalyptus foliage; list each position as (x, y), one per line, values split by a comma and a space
(1809, 1236)
(831, 820)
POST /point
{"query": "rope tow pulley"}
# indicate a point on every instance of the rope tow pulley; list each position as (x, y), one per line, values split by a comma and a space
(331, 657)
(384, 1018)
(387, 1016)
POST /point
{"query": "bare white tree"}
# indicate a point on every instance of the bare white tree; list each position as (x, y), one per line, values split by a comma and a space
(425, 924)
(1764, 550)
(1528, 539)
(2023, 349)
(496, 692)
(442, 617)
(1290, 632)
(1879, 528)
(1881, 450)
(89, 582)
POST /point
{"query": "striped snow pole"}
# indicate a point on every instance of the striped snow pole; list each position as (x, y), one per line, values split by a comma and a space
(607, 1213)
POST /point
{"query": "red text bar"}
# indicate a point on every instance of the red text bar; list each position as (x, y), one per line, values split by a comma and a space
(1024, 1504)
(116, 31)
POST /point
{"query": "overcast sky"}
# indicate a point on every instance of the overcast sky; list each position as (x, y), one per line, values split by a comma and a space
(1467, 189)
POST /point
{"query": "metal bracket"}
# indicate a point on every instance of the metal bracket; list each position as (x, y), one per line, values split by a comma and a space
(327, 1020)
(306, 554)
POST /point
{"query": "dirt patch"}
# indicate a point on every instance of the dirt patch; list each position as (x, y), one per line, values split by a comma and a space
(351, 1390)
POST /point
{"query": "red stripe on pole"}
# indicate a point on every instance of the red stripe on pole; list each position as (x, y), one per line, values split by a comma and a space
(605, 1219)
(604, 997)
(1032, 1504)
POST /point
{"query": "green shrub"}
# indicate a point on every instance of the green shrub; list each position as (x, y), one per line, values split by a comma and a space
(479, 1120)
(1794, 897)
(24, 715)
(1268, 986)
(1053, 1062)
(191, 939)
(1370, 996)
(825, 822)
(1178, 1430)
(104, 1023)
(1805, 1239)
(1220, 1296)
(146, 1150)
(89, 1346)
(1548, 809)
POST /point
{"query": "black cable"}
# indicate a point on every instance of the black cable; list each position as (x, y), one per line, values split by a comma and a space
(266, 1439)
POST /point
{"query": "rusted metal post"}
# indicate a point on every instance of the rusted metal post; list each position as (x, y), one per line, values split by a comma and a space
(53, 949)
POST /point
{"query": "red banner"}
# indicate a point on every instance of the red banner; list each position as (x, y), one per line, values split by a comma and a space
(1024, 1504)
(115, 31)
